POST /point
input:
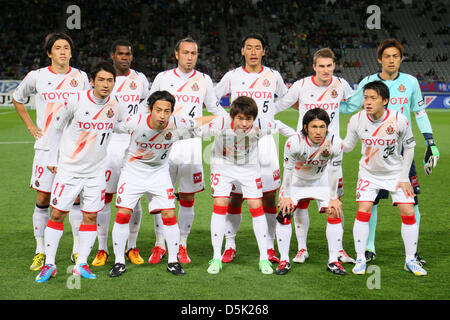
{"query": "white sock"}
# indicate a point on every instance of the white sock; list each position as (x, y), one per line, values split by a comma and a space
(185, 220)
(75, 218)
(159, 235)
(88, 234)
(52, 234)
(334, 234)
(103, 220)
(261, 232)
(271, 219)
(284, 234)
(361, 234)
(232, 223)
(40, 219)
(410, 236)
(301, 225)
(341, 245)
(120, 234)
(135, 224)
(172, 235)
(217, 233)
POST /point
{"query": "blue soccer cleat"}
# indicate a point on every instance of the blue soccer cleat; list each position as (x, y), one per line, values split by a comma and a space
(83, 271)
(47, 271)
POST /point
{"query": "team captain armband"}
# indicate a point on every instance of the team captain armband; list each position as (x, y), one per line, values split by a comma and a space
(410, 140)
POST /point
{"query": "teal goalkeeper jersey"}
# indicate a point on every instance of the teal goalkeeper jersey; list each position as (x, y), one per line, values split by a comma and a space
(404, 92)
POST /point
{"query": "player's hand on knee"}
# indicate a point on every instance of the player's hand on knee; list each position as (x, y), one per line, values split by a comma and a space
(52, 169)
(286, 205)
(431, 157)
(335, 207)
(406, 187)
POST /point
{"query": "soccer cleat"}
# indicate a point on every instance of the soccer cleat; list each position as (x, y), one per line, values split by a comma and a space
(83, 271)
(283, 268)
(74, 257)
(47, 271)
(182, 255)
(228, 255)
(420, 260)
(215, 265)
(157, 254)
(134, 256)
(117, 270)
(360, 267)
(265, 266)
(101, 258)
(175, 268)
(272, 255)
(336, 268)
(344, 257)
(370, 256)
(38, 262)
(301, 256)
(415, 267)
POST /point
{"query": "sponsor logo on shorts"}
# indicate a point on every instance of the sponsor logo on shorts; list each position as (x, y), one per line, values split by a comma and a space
(197, 177)
(414, 181)
(37, 184)
(358, 195)
(170, 194)
(119, 199)
(259, 183)
(276, 175)
(54, 201)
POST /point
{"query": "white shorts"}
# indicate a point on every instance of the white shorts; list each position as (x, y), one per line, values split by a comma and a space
(156, 185)
(319, 189)
(336, 164)
(247, 176)
(41, 177)
(186, 166)
(367, 190)
(66, 189)
(116, 153)
(269, 164)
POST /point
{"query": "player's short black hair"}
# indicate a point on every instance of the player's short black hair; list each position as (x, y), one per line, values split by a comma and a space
(256, 36)
(121, 42)
(51, 38)
(380, 88)
(187, 39)
(103, 65)
(244, 105)
(161, 95)
(314, 114)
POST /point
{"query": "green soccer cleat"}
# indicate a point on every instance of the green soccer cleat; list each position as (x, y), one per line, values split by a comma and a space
(215, 265)
(265, 266)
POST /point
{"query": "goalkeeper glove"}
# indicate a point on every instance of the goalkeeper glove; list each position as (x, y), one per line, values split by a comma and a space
(431, 156)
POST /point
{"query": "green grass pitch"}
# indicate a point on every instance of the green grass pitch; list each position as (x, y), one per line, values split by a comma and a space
(241, 279)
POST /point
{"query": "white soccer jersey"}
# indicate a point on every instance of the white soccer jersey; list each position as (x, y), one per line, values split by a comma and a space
(191, 91)
(264, 87)
(233, 147)
(310, 96)
(149, 149)
(87, 124)
(381, 142)
(131, 90)
(309, 159)
(51, 90)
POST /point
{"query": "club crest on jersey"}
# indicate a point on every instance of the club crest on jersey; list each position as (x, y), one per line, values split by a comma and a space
(266, 83)
(390, 130)
(133, 85)
(110, 113)
(402, 88)
(195, 86)
(168, 136)
(334, 93)
(74, 83)
(325, 153)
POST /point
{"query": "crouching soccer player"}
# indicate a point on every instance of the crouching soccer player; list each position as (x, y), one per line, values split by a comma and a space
(383, 134)
(146, 171)
(86, 120)
(235, 162)
(310, 152)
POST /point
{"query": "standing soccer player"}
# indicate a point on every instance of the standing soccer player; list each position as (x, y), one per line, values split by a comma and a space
(146, 171)
(131, 89)
(309, 152)
(264, 85)
(387, 148)
(86, 120)
(192, 90)
(405, 97)
(326, 91)
(51, 86)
